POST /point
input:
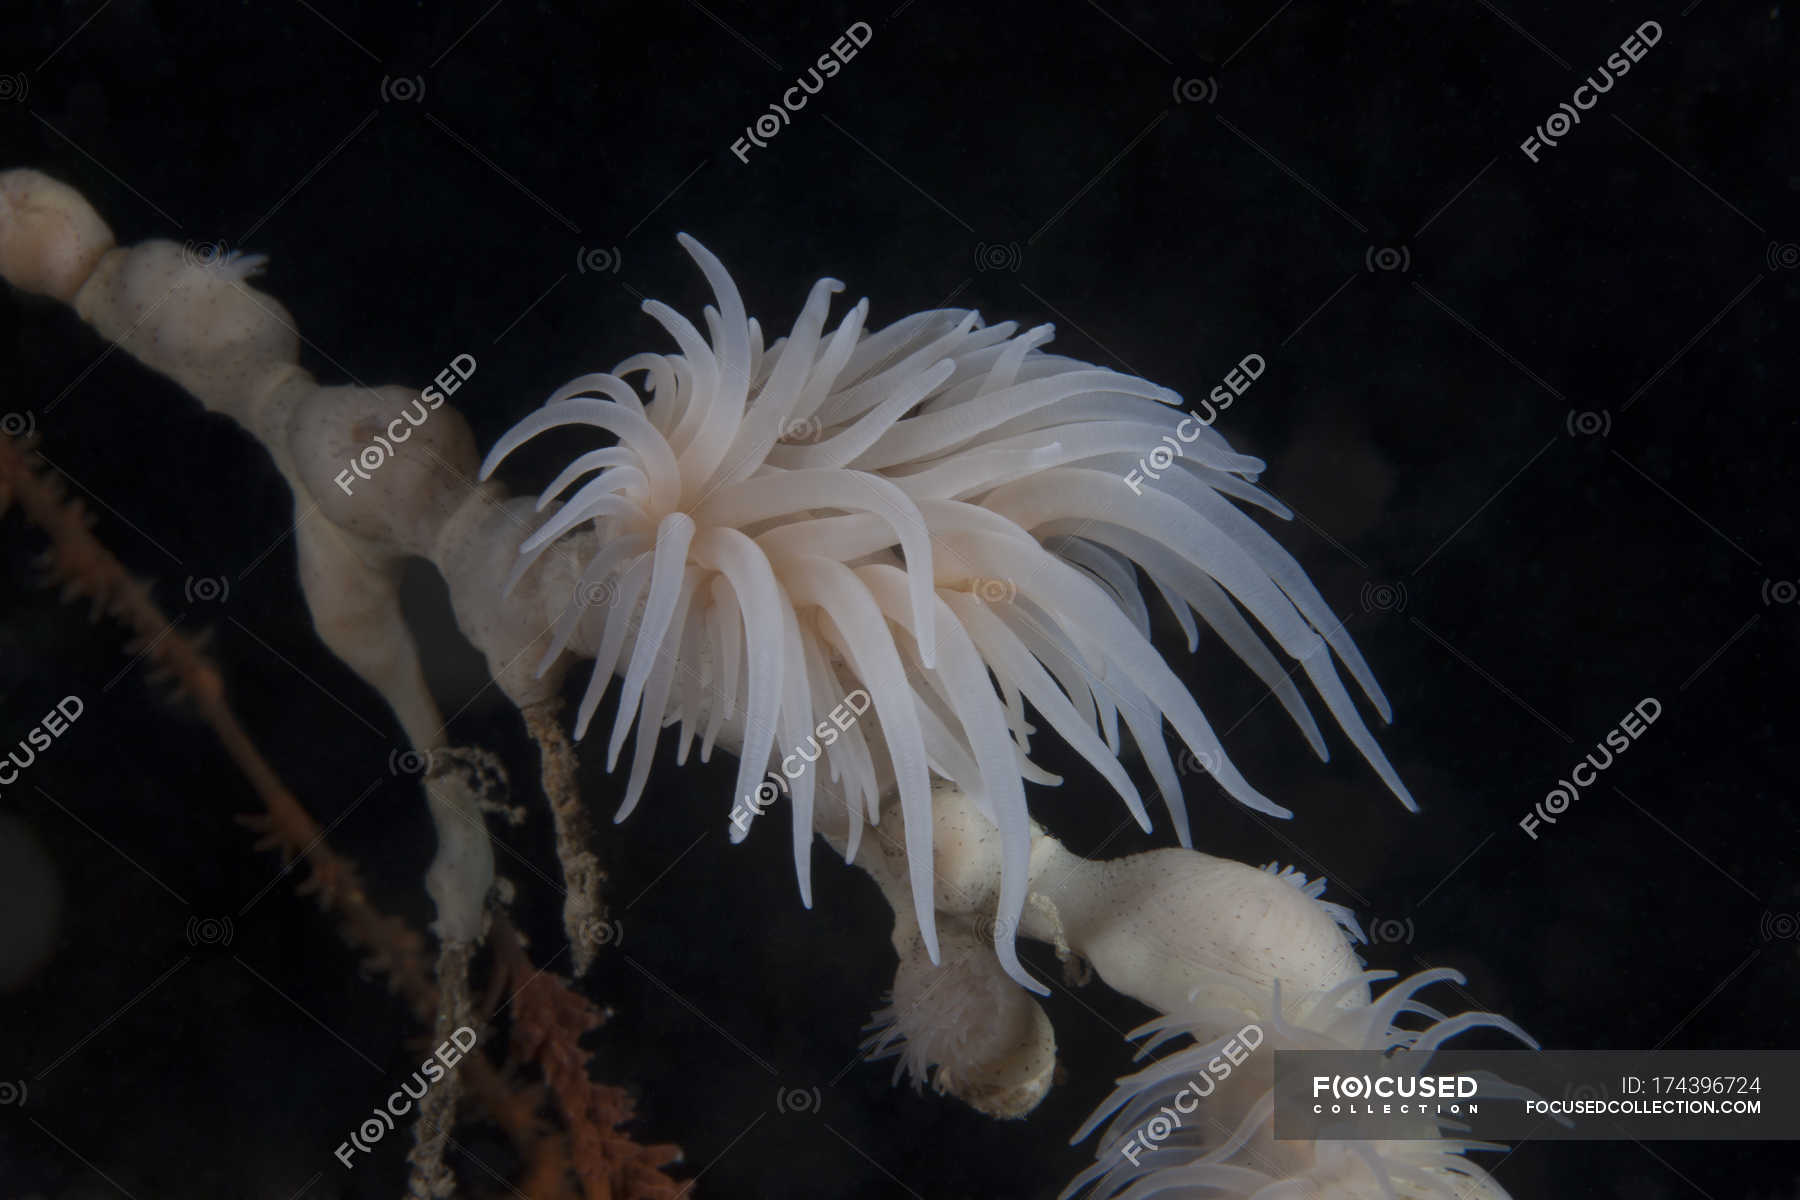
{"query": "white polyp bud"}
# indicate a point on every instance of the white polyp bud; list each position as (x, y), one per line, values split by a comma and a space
(193, 319)
(50, 237)
(1156, 926)
(1163, 925)
(980, 1036)
(383, 464)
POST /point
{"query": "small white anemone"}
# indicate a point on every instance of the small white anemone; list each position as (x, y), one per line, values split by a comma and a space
(936, 513)
(965, 1027)
(1227, 1147)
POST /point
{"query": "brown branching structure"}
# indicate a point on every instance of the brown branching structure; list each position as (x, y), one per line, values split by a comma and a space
(548, 1021)
(582, 1154)
(584, 913)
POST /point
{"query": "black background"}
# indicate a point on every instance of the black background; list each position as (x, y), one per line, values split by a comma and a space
(1542, 467)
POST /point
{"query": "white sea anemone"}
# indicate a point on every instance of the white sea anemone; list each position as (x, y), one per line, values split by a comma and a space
(937, 513)
(1226, 1148)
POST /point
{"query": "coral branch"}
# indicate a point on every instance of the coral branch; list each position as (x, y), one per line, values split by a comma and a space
(550, 1018)
(82, 567)
(584, 913)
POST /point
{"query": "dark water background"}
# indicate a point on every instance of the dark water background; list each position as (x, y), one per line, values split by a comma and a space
(1543, 464)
